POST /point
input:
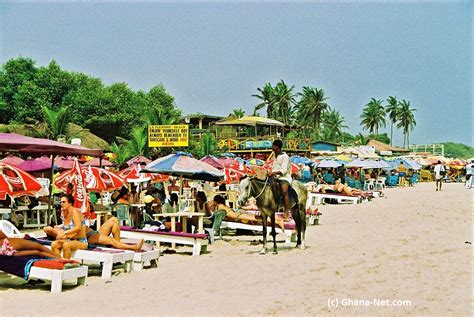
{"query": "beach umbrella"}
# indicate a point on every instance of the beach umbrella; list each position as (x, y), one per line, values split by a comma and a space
(342, 157)
(268, 166)
(227, 161)
(94, 179)
(362, 164)
(15, 182)
(233, 175)
(213, 161)
(328, 164)
(132, 175)
(12, 160)
(65, 163)
(183, 164)
(33, 165)
(301, 160)
(255, 161)
(97, 163)
(138, 160)
(383, 164)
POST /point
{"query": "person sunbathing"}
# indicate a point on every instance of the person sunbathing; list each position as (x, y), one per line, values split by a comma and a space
(73, 235)
(23, 247)
(218, 203)
(102, 237)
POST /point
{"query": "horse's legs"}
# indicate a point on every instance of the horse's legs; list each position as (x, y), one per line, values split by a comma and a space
(264, 225)
(272, 217)
(302, 212)
(297, 218)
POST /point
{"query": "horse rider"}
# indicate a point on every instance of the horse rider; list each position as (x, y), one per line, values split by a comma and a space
(281, 170)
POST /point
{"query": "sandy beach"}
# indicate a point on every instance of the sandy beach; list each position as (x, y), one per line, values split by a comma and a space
(409, 246)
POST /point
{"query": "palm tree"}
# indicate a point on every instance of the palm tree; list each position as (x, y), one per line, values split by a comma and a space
(207, 144)
(267, 100)
(373, 116)
(311, 107)
(333, 123)
(121, 153)
(360, 139)
(57, 120)
(138, 142)
(392, 110)
(283, 102)
(406, 120)
(238, 113)
(159, 116)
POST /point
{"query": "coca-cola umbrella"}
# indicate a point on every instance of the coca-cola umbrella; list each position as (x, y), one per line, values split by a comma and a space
(269, 164)
(132, 175)
(15, 182)
(233, 175)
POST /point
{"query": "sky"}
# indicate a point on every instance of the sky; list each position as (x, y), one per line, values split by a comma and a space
(213, 56)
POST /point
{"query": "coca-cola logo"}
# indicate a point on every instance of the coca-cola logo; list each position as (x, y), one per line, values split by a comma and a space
(13, 178)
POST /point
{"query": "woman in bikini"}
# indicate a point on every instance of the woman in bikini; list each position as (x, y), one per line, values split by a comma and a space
(73, 236)
(23, 247)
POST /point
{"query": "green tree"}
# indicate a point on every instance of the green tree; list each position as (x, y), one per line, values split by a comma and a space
(311, 107)
(406, 120)
(392, 111)
(238, 113)
(333, 123)
(266, 96)
(137, 144)
(284, 102)
(121, 153)
(57, 120)
(373, 116)
(207, 145)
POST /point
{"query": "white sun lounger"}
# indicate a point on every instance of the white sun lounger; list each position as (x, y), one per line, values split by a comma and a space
(317, 198)
(106, 258)
(58, 276)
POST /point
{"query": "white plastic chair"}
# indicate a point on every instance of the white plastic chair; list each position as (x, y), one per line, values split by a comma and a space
(10, 230)
(380, 183)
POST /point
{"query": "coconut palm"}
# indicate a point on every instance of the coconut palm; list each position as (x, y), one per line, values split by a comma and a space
(333, 123)
(138, 141)
(392, 110)
(57, 120)
(311, 107)
(373, 116)
(207, 144)
(238, 113)
(266, 99)
(284, 102)
(406, 120)
(121, 153)
(159, 116)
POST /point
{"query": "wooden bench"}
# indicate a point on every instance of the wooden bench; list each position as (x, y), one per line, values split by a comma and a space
(198, 241)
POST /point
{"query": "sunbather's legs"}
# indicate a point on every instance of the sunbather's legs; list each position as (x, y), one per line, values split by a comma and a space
(71, 246)
(51, 232)
(25, 247)
(111, 226)
(107, 240)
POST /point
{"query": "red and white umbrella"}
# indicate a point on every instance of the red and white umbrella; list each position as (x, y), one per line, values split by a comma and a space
(101, 180)
(132, 175)
(15, 182)
(294, 168)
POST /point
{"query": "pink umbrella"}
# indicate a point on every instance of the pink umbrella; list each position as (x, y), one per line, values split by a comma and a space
(137, 160)
(213, 161)
(96, 162)
(33, 165)
(44, 159)
(64, 163)
(12, 160)
(227, 161)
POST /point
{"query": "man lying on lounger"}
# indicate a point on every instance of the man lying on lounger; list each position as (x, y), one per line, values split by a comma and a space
(101, 237)
(339, 188)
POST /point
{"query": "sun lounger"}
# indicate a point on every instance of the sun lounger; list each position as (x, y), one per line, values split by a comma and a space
(317, 197)
(24, 267)
(290, 233)
(197, 240)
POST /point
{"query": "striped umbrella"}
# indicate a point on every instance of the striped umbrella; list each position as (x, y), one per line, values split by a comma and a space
(15, 182)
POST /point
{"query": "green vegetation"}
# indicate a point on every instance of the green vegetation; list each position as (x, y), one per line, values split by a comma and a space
(458, 150)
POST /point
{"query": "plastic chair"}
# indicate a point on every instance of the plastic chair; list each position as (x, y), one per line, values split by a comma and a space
(217, 217)
(380, 183)
(123, 213)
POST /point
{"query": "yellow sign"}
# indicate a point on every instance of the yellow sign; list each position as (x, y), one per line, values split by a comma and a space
(168, 135)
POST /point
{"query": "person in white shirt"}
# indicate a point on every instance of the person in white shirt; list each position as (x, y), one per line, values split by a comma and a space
(281, 170)
(468, 174)
(439, 174)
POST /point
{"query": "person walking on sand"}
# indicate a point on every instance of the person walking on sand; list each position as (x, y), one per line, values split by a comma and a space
(439, 174)
(469, 174)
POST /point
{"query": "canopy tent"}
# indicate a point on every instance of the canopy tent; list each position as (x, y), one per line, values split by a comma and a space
(183, 164)
(65, 163)
(251, 121)
(11, 142)
(15, 182)
(33, 165)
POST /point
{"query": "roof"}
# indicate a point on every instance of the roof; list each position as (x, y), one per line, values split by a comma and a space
(360, 152)
(380, 146)
(11, 142)
(251, 121)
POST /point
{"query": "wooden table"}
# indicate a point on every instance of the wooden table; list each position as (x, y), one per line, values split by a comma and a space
(39, 209)
(100, 214)
(185, 215)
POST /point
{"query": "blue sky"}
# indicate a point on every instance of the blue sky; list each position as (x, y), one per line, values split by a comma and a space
(213, 56)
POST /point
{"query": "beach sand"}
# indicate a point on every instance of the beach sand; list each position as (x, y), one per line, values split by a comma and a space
(410, 245)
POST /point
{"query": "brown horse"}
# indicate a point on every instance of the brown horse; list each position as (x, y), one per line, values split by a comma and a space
(268, 205)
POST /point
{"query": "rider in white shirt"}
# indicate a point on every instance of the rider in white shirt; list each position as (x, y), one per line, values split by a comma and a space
(281, 169)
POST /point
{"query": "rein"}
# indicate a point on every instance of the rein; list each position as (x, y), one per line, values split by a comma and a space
(266, 182)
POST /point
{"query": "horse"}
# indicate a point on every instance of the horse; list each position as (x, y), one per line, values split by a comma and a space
(268, 205)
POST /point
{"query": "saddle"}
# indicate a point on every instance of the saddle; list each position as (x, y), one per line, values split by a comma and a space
(276, 189)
